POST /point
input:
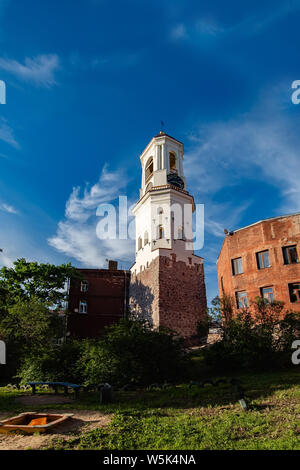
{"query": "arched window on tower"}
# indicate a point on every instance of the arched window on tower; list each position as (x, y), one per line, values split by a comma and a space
(180, 233)
(146, 238)
(161, 233)
(140, 243)
(149, 169)
(149, 186)
(172, 159)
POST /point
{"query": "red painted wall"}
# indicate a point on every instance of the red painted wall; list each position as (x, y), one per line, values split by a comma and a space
(106, 301)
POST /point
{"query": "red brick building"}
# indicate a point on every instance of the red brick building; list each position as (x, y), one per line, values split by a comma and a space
(262, 259)
(98, 300)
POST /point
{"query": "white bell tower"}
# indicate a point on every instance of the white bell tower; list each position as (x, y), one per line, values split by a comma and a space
(167, 285)
(163, 215)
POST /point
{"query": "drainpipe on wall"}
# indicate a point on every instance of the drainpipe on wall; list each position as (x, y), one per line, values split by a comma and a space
(125, 294)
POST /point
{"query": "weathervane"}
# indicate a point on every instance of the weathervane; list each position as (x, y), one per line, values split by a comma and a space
(162, 126)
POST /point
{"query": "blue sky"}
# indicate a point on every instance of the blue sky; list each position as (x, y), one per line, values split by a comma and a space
(88, 83)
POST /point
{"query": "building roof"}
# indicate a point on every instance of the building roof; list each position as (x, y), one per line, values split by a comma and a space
(255, 223)
(162, 134)
(266, 220)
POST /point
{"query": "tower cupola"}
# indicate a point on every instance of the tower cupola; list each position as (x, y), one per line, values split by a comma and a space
(162, 163)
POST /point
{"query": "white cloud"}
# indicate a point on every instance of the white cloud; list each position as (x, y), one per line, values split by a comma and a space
(5, 260)
(108, 187)
(76, 234)
(178, 32)
(263, 145)
(202, 28)
(39, 70)
(115, 60)
(7, 208)
(7, 135)
(208, 27)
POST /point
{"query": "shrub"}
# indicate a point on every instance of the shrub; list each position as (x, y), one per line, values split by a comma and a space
(255, 338)
(57, 363)
(202, 328)
(28, 328)
(132, 353)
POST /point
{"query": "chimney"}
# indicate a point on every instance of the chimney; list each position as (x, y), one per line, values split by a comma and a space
(112, 265)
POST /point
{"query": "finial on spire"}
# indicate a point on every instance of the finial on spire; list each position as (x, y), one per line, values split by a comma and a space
(162, 127)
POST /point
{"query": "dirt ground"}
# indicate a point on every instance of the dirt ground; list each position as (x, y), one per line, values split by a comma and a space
(82, 420)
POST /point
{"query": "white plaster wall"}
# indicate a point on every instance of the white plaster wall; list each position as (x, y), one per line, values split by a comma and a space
(167, 145)
(146, 217)
(147, 220)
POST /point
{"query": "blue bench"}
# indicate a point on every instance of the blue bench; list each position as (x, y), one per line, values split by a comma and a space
(56, 385)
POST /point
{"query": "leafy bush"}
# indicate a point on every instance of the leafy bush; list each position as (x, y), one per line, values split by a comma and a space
(130, 352)
(202, 328)
(255, 338)
(58, 363)
(28, 328)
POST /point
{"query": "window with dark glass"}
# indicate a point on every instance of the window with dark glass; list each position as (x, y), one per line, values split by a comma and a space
(140, 243)
(263, 259)
(294, 290)
(267, 293)
(241, 299)
(149, 169)
(160, 232)
(290, 254)
(237, 266)
(172, 158)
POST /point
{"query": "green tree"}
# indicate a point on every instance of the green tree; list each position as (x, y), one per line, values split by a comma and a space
(27, 280)
(31, 324)
(29, 329)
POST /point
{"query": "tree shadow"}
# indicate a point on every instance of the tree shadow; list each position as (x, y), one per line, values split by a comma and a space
(254, 386)
(141, 301)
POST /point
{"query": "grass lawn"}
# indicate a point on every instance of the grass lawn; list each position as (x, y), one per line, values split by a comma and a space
(191, 418)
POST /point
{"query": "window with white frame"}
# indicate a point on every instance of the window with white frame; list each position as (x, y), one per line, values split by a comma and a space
(83, 306)
(84, 286)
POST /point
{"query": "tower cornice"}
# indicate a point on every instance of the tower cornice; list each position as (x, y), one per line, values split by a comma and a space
(164, 189)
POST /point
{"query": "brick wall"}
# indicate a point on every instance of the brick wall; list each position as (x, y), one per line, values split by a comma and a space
(171, 294)
(106, 299)
(270, 235)
(144, 294)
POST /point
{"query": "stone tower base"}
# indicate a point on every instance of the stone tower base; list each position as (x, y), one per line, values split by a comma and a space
(170, 294)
